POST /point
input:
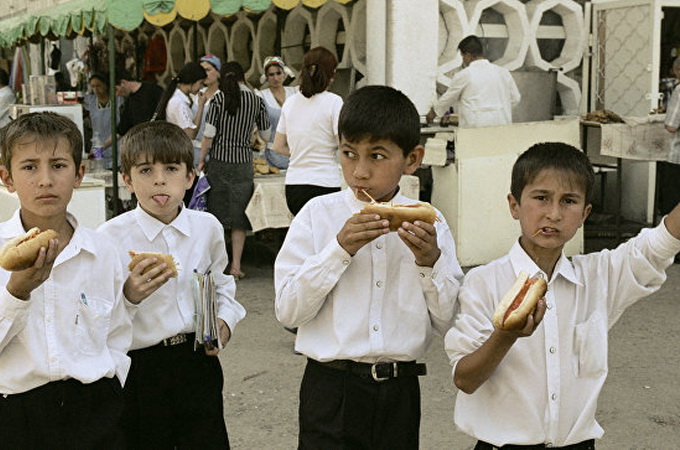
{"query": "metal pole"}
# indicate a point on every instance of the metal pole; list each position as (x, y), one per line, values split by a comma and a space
(114, 118)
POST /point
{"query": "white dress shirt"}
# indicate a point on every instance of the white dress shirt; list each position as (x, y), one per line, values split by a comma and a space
(74, 325)
(311, 129)
(180, 111)
(196, 240)
(546, 388)
(377, 305)
(482, 94)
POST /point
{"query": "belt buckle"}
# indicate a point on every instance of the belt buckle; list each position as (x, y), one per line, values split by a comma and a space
(175, 340)
(374, 372)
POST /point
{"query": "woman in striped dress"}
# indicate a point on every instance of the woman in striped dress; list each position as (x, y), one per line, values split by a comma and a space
(231, 117)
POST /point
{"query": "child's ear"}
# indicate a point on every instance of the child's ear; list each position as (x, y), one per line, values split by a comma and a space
(586, 212)
(513, 204)
(128, 183)
(6, 178)
(80, 173)
(413, 159)
(191, 174)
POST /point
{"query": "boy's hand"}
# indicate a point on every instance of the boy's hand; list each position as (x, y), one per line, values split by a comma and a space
(421, 238)
(225, 335)
(23, 282)
(138, 287)
(533, 321)
(361, 229)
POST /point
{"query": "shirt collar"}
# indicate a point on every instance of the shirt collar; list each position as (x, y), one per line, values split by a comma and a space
(13, 228)
(152, 227)
(521, 261)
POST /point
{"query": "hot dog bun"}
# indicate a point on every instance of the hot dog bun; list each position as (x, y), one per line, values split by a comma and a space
(520, 301)
(21, 252)
(397, 214)
(138, 257)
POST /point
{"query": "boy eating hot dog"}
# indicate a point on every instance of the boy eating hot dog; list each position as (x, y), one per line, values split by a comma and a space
(537, 387)
(64, 330)
(366, 300)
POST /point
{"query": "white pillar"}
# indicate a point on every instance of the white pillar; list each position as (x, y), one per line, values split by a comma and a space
(376, 41)
(412, 48)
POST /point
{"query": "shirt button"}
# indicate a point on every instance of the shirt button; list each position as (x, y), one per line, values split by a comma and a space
(549, 444)
(378, 245)
(53, 359)
(422, 275)
(553, 396)
(378, 283)
(553, 349)
(345, 262)
(549, 305)
(376, 327)
(48, 318)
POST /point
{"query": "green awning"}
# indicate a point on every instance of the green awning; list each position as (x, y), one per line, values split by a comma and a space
(76, 16)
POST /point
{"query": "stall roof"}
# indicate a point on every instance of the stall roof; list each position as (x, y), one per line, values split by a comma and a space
(77, 16)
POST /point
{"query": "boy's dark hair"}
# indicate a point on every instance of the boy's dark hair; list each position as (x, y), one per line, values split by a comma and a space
(380, 112)
(124, 75)
(552, 155)
(230, 77)
(104, 78)
(318, 69)
(42, 126)
(472, 45)
(157, 141)
(4, 77)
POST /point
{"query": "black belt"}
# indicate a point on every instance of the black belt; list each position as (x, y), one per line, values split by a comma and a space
(585, 445)
(380, 371)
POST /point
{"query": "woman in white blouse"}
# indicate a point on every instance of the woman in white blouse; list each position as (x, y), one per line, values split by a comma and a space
(177, 105)
(308, 132)
(275, 74)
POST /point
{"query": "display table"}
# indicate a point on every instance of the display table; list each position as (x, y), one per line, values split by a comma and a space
(87, 203)
(267, 207)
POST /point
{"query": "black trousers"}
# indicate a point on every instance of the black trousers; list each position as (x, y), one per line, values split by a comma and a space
(585, 445)
(297, 195)
(173, 399)
(64, 415)
(669, 186)
(340, 410)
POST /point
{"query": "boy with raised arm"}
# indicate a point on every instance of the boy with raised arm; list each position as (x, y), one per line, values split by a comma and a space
(366, 300)
(538, 387)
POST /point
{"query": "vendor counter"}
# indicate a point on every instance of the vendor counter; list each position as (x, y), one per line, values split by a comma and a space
(87, 203)
(267, 207)
(472, 191)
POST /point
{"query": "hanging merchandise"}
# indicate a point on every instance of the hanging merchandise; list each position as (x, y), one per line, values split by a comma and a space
(156, 57)
(17, 76)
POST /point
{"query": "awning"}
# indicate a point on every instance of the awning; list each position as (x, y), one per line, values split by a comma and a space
(76, 16)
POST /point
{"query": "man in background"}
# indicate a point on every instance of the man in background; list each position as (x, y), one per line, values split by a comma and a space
(482, 94)
(6, 98)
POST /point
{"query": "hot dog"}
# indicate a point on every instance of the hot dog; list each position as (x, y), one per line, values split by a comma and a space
(21, 252)
(520, 301)
(397, 214)
(137, 257)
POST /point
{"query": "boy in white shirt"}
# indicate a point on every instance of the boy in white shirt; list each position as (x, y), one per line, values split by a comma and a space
(64, 330)
(174, 393)
(538, 387)
(366, 300)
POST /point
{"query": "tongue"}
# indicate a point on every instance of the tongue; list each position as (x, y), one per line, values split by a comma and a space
(162, 199)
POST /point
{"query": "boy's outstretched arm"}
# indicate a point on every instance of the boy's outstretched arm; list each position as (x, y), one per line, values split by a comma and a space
(673, 222)
(475, 368)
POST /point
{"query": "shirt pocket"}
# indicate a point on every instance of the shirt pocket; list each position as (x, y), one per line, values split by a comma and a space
(92, 324)
(590, 347)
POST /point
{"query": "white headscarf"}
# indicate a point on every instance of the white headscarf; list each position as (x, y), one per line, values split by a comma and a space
(275, 60)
